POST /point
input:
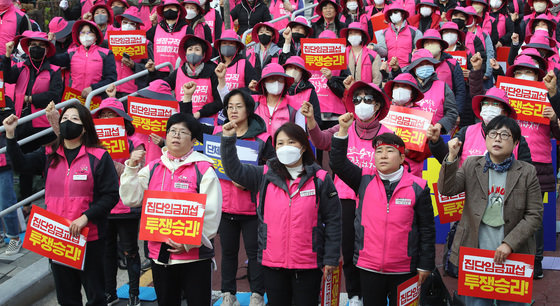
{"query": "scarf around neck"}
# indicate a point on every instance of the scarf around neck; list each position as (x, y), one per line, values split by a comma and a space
(501, 167)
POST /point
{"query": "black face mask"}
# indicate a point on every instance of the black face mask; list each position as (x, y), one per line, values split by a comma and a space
(37, 53)
(170, 14)
(297, 37)
(460, 22)
(70, 130)
(117, 10)
(265, 39)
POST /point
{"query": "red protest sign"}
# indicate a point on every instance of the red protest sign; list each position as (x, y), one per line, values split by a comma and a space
(71, 93)
(408, 293)
(112, 134)
(410, 124)
(528, 98)
(150, 116)
(460, 57)
(450, 208)
(502, 54)
(378, 24)
(47, 234)
(132, 43)
(324, 53)
(330, 287)
(175, 215)
(480, 276)
(2, 91)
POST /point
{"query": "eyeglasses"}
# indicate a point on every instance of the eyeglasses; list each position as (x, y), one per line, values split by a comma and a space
(366, 99)
(180, 133)
(235, 108)
(491, 103)
(503, 135)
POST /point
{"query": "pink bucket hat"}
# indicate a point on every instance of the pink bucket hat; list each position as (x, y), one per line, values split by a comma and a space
(103, 6)
(158, 90)
(132, 13)
(302, 21)
(297, 61)
(452, 26)
(427, 3)
(230, 35)
(459, 9)
(60, 27)
(274, 69)
(525, 61)
(270, 26)
(358, 27)
(422, 55)
(472, 12)
(191, 39)
(495, 94)
(383, 111)
(536, 56)
(195, 2)
(327, 34)
(110, 3)
(431, 34)
(395, 6)
(182, 11)
(78, 26)
(322, 3)
(29, 36)
(470, 2)
(114, 105)
(540, 41)
(541, 17)
(406, 79)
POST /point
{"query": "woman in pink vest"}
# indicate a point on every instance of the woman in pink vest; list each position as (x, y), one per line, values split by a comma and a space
(102, 15)
(14, 22)
(363, 63)
(240, 73)
(502, 24)
(453, 36)
(265, 51)
(213, 19)
(279, 8)
(481, 8)
(195, 19)
(82, 186)
(302, 90)
(369, 105)
(299, 215)
(395, 231)
(329, 12)
(296, 30)
(179, 270)
(427, 16)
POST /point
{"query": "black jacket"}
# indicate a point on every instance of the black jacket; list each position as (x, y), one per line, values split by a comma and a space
(248, 16)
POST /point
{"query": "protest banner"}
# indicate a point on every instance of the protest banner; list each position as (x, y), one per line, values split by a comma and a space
(410, 124)
(528, 98)
(450, 208)
(460, 57)
(480, 276)
(71, 93)
(48, 234)
(133, 43)
(330, 287)
(324, 53)
(247, 152)
(2, 91)
(408, 293)
(378, 24)
(149, 115)
(502, 54)
(112, 134)
(178, 216)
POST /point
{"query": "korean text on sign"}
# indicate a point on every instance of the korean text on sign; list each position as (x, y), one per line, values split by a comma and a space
(112, 134)
(408, 293)
(460, 57)
(378, 24)
(48, 235)
(150, 116)
(330, 287)
(324, 53)
(480, 276)
(247, 151)
(175, 215)
(528, 98)
(133, 43)
(450, 208)
(71, 93)
(410, 124)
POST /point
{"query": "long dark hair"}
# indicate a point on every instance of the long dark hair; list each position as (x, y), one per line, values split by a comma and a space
(295, 132)
(89, 138)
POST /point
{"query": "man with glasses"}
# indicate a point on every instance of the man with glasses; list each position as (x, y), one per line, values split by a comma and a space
(503, 206)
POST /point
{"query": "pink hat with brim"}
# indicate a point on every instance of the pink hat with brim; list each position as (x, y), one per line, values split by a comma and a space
(103, 6)
(406, 79)
(302, 21)
(426, 3)
(525, 61)
(78, 26)
(349, 104)
(470, 2)
(274, 69)
(495, 94)
(182, 11)
(452, 26)
(256, 28)
(195, 2)
(114, 105)
(110, 3)
(540, 41)
(357, 27)
(322, 3)
(230, 35)
(132, 14)
(541, 17)
(29, 36)
(459, 9)
(158, 90)
(60, 27)
(472, 12)
(536, 56)
(422, 55)
(548, 2)
(395, 6)
(431, 34)
(300, 63)
(191, 40)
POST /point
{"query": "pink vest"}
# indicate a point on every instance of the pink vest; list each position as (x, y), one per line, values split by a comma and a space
(538, 139)
(9, 26)
(487, 23)
(120, 208)
(252, 58)
(42, 84)
(400, 45)
(277, 10)
(153, 151)
(122, 72)
(433, 100)
(162, 179)
(202, 95)
(444, 73)
(469, 40)
(501, 25)
(368, 56)
(210, 19)
(145, 13)
(297, 100)
(166, 47)
(86, 66)
(475, 144)
(235, 75)
(329, 102)
(280, 116)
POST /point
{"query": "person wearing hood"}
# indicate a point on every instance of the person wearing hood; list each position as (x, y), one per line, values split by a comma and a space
(369, 105)
(296, 30)
(248, 13)
(363, 63)
(302, 90)
(240, 73)
(195, 19)
(329, 18)
(91, 66)
(266, 50)
(179, 270)
(14, 22)
(426, 17)
(298, 211)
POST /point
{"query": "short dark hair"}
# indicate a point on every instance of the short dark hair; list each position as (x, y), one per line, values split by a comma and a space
(388, 138)
(508, 123)
(196, 41)
(245, 96)
(188, 120)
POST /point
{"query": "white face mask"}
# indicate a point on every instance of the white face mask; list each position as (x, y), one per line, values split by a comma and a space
(450, 38)
(191, 14)
(274, 88)
(401, 95)
(539, 7)
(294, 73)
(352, 6)
(425, 11)
(364, 111)
(127, 27)
(288, 155)
(489, 112)
(355, 40)
(555, 2)
(87, 40)
(396, 17)
(526, 77)
(378, 2)
(495, 3)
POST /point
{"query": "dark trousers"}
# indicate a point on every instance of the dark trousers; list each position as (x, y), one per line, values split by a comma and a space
(192, 280)
(68, 281)
(351, 273)
(377, 287)
(231, 226)
(284, 286)
(127, 232)
(539, 241)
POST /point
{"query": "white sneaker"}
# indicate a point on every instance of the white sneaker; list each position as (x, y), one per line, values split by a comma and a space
(229, 299)
(13, 247)
(355, 301)
(256, 300)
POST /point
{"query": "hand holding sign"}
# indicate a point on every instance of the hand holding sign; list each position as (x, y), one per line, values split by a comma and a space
(454, 145)
(176, 248)
(476, 61)
(548, 112)
(550, 83)
(502, 252)
(77, 225)
(327, 73)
